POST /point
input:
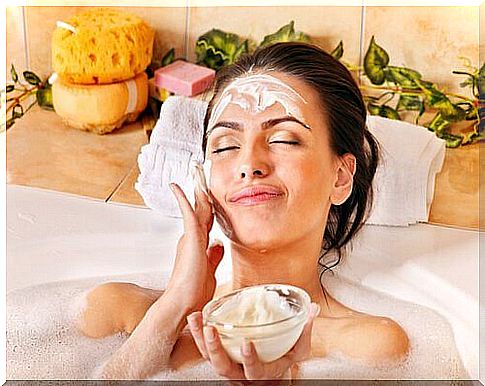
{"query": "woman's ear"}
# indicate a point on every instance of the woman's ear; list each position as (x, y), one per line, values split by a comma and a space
(342, 188)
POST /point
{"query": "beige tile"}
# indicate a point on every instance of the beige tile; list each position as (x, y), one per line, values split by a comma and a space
(169, 24)
(126, 192)
(482, 32)
(427, 39)
(325, 25)
(42, 152)
(457, 190)
(15, 47)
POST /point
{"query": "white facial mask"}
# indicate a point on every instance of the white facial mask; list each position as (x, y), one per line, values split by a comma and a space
(256, 93)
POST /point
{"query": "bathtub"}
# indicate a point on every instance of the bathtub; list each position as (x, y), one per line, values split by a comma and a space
(54, 236)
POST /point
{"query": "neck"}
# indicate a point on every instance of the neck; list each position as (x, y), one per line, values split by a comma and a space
(294, 264)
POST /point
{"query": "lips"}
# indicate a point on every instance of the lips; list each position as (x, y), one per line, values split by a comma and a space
(255, 194)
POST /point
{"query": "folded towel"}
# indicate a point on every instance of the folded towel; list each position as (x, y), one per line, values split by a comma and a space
(175, 141)
(404, 182)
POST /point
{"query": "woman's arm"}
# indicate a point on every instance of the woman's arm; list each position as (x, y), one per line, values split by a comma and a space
(147, 351)
(191, 286)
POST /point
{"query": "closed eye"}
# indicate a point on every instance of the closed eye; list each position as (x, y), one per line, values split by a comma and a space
(224, 149)
(286, 142)
(236, 147)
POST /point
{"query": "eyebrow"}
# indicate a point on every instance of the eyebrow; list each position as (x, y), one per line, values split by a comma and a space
(264, 126)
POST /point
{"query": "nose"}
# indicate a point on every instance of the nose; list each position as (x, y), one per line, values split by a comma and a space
(252, 164)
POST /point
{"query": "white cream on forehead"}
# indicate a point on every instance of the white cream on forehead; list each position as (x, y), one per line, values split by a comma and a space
(256, 93)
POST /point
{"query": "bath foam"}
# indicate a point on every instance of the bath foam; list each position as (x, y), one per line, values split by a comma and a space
(43, 343)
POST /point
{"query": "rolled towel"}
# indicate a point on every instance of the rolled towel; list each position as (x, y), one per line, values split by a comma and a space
(404, 182)
(175, 141)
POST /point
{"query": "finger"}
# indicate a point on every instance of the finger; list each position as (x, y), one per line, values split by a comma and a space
(302, 348)
(202, 200)
(215, 253)
(218, 357)
(203, 210)
(252, 365)
(184, 205)
(195, 324)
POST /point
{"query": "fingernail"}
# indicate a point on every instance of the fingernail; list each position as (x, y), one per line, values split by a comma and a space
(209, 333)
(246, 348)
(171, 185)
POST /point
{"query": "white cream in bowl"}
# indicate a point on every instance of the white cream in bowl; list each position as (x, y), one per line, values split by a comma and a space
(272, 316)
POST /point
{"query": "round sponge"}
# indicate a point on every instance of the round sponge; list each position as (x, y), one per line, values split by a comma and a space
(101, 45)
(100, 108)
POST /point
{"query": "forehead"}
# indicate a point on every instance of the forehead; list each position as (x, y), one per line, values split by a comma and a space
(287, 91)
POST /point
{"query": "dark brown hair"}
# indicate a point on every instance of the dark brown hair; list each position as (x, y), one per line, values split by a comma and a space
(345, 112)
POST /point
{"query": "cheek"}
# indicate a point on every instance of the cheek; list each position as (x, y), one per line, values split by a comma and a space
(309, 181)
(219, 179)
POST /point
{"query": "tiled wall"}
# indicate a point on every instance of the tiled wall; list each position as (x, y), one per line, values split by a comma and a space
(428, 39)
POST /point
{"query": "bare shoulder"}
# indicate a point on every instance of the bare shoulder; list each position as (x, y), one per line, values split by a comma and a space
(374, 338)
(366, 337)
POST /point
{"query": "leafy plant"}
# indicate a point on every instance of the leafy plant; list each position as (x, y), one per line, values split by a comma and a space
(216, 48)
(285, 34)
(168, 58)
(17, 93)
(401, 85)
(416, 94)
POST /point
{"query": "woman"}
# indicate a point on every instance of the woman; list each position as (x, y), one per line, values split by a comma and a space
(291, 182)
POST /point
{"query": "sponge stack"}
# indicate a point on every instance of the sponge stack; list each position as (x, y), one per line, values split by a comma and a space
(107, 46)
(100, 57)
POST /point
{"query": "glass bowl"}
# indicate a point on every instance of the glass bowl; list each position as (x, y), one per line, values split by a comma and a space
(271, 339)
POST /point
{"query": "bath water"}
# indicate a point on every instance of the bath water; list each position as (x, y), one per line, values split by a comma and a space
(43, 342)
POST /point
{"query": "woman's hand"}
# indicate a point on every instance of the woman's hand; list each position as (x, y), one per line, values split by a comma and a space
(193, 277)
(210, 346)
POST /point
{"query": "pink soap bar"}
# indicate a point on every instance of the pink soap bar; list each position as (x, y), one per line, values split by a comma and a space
(184, 78)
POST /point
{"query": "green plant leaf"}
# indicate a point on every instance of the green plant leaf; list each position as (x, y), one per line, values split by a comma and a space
(452, 140)
(338, 51)
(14, 74)
(410, 102)
(168, 58)
(435, 98)
(17, 111)
(217, 48)
(469, 137)
(285, 34)
(10, 88)
(481, 80)
(375, 61)
(44, 97)
(403, 77)
(31, 78)
(383, 111)
(10, 122)
(438, 124)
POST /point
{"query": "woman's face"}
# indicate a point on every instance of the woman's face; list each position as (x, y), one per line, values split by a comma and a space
(293, 163)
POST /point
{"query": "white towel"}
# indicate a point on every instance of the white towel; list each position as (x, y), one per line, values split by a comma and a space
(175, 141)
(404, 182)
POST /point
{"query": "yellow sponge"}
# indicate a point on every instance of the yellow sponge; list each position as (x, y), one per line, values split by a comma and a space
(101, 46)
(100, 108)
